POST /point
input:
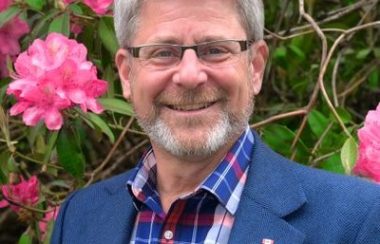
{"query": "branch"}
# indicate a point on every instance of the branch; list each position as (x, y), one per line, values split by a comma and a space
(317, 86)
(335, 15)
(279, 117)
(110, 154)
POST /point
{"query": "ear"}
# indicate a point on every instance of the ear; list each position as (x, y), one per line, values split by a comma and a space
(123, 66)
(259, 56)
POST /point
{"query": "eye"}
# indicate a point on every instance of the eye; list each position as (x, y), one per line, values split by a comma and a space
(163, 52)
(214, 50)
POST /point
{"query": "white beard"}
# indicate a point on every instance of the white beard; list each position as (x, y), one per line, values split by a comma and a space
(227, 127)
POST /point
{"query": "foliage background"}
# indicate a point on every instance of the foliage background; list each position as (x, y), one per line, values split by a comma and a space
(293, 112)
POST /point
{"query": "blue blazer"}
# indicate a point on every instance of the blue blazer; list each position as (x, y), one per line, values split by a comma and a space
(282, 201)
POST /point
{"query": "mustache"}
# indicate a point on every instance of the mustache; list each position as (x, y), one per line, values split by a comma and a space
(191, 96)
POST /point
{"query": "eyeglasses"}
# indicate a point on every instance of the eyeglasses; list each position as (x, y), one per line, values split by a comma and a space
(215, 53)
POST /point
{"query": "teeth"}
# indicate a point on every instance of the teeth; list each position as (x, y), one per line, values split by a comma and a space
(190, 107)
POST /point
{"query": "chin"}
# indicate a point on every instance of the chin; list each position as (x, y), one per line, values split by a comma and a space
(196, 145)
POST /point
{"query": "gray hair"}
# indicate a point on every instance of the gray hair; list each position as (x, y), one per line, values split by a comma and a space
(126, 16)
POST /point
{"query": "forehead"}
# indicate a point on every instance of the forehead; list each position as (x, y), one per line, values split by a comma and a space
(184, 21)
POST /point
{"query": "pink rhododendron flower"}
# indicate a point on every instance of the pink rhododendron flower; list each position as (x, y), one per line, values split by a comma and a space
(98, 6)
(54, 75)
(76, 28)
(10, 33)
(368, 163)
(4, 4)
(51, 215)
(25, 193)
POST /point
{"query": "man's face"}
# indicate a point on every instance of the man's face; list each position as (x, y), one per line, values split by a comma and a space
(191, 109)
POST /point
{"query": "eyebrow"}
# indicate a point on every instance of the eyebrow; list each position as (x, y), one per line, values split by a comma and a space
(175, 40)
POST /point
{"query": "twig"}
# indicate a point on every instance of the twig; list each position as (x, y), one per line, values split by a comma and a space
(334, 78)
(320, 140)
(36, 161)
(279, 117)
(335, 16)
(355, 81)
(110, 154)
(12, 202)
(318, 85)
(324, 68)
(284, 38)
(122, 159)
(323, 157)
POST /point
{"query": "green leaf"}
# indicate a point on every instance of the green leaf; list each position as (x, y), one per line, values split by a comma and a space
(3, 177)
(102, 125)
(8, 14)
(4, 157)
(117, 106)
(296, 50)
(344, 115)
(61, 24)
(362, 54)
(107, 35)
(25, 239)
(41, 26)
(36, 4)
(348, 154)
(11, 164)
(276, 136)
(70, 155)
(280, 52)
(317, 122)
(374, 79)
(110, 76)
(50, 146)
(77, 10)
(376, 51)
(333, 164)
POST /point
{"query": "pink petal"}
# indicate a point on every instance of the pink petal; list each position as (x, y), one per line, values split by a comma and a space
(4, 203)
(94, 106)
(17, 86)
(19, 108)
(53, 119)
(4, 4)
(99, 6)
(32, 116)
(78, 96)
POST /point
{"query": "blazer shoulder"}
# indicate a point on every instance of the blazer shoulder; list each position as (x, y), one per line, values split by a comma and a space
(101, 189)
(313, 179)
(88, 212)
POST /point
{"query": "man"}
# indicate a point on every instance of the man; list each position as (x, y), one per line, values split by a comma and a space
(191, 70)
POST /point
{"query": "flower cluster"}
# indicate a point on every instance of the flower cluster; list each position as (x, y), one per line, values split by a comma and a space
(25, 193)
(10, 34)
(368, 163)
(54, 75)
(98, 6)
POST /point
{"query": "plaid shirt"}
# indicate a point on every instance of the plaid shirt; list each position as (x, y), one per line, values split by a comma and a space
(203, 216)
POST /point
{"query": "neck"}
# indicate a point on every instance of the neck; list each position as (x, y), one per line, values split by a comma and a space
(179, 176)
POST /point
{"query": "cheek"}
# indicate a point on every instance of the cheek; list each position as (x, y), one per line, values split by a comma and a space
(146, 86)
(236, 83)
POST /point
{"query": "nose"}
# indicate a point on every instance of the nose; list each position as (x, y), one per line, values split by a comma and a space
(189, 73)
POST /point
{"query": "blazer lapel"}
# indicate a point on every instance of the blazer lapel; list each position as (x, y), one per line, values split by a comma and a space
(271, 193)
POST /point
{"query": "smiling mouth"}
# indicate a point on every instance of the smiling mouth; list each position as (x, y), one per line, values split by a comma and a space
(191, 107)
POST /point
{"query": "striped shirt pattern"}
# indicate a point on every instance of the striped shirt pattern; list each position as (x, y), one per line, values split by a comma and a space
(203, 216)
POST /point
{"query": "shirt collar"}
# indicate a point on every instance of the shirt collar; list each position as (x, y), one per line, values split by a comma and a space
(226, 182)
